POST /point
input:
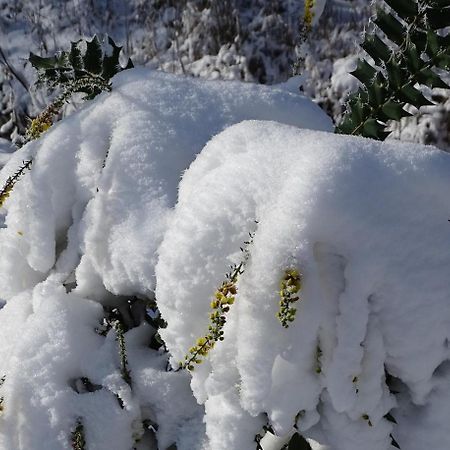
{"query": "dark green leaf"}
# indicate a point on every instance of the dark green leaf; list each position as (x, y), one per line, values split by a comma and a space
(394, 110)
(394, 443)
(390, 418)
(75, 58)
(431, 79)
(390, 26)
(413, 61)
(364, 72)
(433, 46)
(376, 48)
(442, 61)
(93, 57)
(377, 92)
(396, 75)
(129, 65)
(111, 63)
(413, 96)
(373, 129)
(438, 18)
(346, 126)
(406, 9)
(298, 442)
(418, 38)
(40, 63)
(440, 3)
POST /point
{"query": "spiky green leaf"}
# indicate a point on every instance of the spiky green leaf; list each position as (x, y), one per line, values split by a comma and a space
(394, 443)
(75, 57)
(438, 18)
(394, 110)
(373, 128)
(298, 442)
(93, 57)
(389, 417)
(413, 96)
(376, 48)
(390, 26)
(377, 91)
(407, 9)
(431, 79)
(396, 75)
(364, 71)
(41, 63)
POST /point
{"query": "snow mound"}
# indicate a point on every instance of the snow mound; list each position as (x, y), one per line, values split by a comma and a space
(145, 134)
(78, 241)
(366, 225)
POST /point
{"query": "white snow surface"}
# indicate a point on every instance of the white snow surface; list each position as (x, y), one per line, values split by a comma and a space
(366, 224)
(79, 233)
(102, 221)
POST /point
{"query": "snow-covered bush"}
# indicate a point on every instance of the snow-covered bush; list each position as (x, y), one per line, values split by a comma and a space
(352, 216)
(337, 326)
(78, 243)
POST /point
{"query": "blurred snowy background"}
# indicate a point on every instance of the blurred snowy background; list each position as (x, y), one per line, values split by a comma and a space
(251, 40)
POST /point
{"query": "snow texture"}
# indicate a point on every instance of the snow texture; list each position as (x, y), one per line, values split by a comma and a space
(79, 236)
(366, 224)
(102, 223)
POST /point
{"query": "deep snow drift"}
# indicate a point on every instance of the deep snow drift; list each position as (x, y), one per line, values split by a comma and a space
(102, 221)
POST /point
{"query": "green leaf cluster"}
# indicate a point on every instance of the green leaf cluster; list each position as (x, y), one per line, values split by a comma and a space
(298, 442)
(290, 285)
(224, 298)
(78, 441)
(85, 60)
(408, 49)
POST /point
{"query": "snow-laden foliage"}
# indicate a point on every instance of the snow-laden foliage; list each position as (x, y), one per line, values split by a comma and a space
(100, 236)
(250, 40)
(253, 40)
(365, 225)
(79, 235)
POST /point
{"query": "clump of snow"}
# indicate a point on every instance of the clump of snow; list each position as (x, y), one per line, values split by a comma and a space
(146, 132)
(366, 224)
(78, 237)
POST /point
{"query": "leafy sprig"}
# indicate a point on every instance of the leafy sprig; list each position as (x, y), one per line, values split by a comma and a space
(12, 180)
(290, 286)
(223, 299)
(78, 440)
(409, 49)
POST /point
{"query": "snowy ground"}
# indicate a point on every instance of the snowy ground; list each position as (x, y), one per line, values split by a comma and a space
(103, 221)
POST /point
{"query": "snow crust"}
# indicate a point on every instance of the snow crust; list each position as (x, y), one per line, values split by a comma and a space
(79, 233)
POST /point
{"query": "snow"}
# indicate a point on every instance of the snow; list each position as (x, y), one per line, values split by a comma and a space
(146, 132)
(365, 223)
(146, 195)
(78, 237)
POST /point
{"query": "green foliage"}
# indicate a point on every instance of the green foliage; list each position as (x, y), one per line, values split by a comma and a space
(85, 60)
(124, 370)
(409, 49)
(87, 68)
(223, 299)
(290, 285)
(78, 441)
(12, 180)
(298, 442)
